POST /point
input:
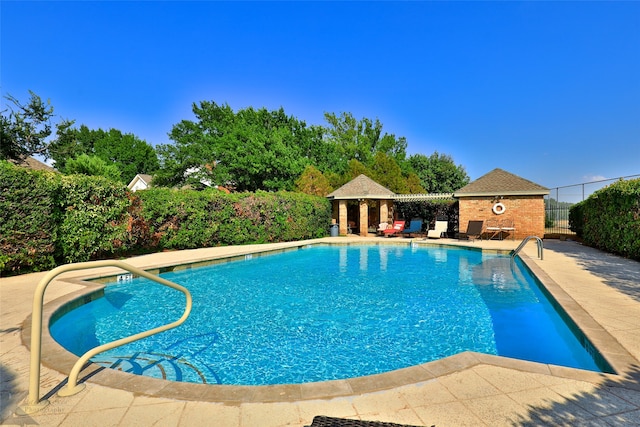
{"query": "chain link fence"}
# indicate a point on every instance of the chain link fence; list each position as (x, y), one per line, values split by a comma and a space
(560, 200)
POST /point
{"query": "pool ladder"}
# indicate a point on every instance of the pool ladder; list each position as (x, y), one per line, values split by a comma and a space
(33, 402)
(524, 242)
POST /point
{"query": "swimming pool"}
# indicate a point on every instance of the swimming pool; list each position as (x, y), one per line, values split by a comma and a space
(327, 312)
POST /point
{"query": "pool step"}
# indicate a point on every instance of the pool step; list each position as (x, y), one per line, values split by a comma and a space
(154, 365)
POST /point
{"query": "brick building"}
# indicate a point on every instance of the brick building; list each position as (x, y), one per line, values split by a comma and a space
(500, 197)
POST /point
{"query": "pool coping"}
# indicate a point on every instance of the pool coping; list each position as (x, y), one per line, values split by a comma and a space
(61, 360)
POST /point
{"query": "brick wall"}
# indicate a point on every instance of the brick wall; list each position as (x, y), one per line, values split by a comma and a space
(527, 213)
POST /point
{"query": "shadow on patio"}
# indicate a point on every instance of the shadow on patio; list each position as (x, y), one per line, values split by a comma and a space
(620, 273)
(614, 402)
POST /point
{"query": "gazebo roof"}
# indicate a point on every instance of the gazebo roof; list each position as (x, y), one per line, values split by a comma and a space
(362, 187)
(499, 182)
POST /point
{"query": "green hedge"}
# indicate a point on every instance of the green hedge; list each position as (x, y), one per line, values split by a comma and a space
(610, 219)
(95, 216)
(183, 219)
(28, 219)
(48, 219)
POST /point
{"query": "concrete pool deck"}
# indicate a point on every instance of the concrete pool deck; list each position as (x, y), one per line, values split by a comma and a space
(601, 292)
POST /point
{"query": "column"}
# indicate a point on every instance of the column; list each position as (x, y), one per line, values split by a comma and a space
(364, 218)
(384, 210)
(342, 217)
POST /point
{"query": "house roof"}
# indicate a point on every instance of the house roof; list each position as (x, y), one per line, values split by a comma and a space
(146, 179)
(34, 164)
(362, 187)
(499, 182)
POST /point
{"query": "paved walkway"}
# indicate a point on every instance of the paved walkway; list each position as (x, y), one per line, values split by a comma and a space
(600, 291)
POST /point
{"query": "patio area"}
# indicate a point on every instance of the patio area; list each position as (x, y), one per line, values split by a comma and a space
(600, 291)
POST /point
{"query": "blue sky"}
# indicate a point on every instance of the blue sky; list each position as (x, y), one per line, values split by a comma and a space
(549, 91)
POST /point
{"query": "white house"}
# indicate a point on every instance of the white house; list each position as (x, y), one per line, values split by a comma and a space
(140, 182)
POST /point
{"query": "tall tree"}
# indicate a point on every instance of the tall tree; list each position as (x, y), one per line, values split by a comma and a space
(313, 182)
(128, 153)
(92, 166)
(360, 140)
(387, 173)
(24, 128)
(438, 173)
(248, 150)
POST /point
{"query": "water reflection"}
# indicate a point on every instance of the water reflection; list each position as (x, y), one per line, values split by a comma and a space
(343, 259)
(364, 258)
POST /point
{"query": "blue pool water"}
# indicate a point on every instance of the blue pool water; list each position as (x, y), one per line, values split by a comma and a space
(326, 312)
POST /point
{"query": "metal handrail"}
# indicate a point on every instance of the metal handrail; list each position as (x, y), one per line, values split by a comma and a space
(524, 242)
(33, 403)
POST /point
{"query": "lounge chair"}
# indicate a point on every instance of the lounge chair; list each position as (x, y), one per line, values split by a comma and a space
(381, 227)
(438, 230)
(398, 226)
(474, 229)
(415, 227)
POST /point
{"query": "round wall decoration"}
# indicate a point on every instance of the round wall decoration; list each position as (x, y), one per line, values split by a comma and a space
(499, 209)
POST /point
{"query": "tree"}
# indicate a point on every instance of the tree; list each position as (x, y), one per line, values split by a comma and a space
(71, 142)
(438, 173)
(360, 140)
(248, 150)
(129, 154)
(25, 128)
(355, 168)
(92, 166)
(387, 173)
(313, 182)
(413, 184)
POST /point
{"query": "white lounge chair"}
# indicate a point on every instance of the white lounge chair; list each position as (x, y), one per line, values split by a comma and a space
(438, 230)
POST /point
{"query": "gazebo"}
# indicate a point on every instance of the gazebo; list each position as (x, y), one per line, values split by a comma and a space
(360, 205)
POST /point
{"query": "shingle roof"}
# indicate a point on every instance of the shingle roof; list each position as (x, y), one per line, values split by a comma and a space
(146, 178)
(34, 164)
(362, 187)
(500, 183)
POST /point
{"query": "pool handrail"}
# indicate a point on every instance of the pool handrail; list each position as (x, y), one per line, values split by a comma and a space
(524, 242)
(33, 402)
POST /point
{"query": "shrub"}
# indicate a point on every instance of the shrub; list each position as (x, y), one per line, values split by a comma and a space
(576, 219)
(95, 218)
(182, 219)
(48, 219)
(28, 215)
(610, 219)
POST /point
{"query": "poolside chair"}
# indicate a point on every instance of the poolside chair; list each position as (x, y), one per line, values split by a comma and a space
(506, 225)
(415, 227)
(474, 229)
(351, 225)
(398, 226)
(493, 228)
(381, 227)
(438, 230)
